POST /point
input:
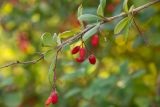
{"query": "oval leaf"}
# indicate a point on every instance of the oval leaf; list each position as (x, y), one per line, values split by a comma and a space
(50, 72)
(119, 27)
(47, 39)
(103, 3)
(88, 17)
(131, 8)
(66, 34)
(80, 10)
(125, 6)
(91, 32)
(100, 10)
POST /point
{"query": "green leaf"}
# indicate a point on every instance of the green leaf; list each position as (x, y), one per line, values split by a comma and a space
(100, 10)
(124, 68)
(72, 92)
(79, 13)
(91, 32)
(126, 31)
(88, 17)
(80, 10)
(125, 6)
(103, 3)
(131, 8)
(138, 73)
(48, 56)
(47, 39)
(50, 72)
(119, 27)
(66, 34)
(58, 40)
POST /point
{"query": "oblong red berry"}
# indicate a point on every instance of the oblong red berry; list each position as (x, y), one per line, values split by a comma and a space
(54, 97)
(82, 53)
(79, 59)
(48, 101)
(92, 59)
(94, 40)
(75, 50)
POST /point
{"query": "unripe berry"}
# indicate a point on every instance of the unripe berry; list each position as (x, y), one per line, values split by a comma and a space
(82, 53)
(75, 50)
(92, 59)
(79, 59)
(94, 40)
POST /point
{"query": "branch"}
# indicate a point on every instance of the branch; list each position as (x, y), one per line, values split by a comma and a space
(106, 20)
(25, 62)
(80, 34)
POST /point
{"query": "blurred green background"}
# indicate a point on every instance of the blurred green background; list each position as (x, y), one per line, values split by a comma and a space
(125, 75)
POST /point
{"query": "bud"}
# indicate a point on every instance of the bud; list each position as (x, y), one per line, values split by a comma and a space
(82, 53)
(94, 40)
(75, 50)
(92, 59)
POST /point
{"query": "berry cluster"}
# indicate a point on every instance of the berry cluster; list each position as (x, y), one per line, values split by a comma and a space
(82, 51)
(53, 98)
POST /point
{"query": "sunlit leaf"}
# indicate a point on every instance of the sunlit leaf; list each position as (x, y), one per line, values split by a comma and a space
(80, 10)
(125, 6)
(119, 27)
(66, 34)
(100, 9)
(47, 39)
(91, 32)
(103, 2)
(88, 17)
(131, 8)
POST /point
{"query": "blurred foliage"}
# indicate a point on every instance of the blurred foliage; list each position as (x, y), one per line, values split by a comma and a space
(126, 74)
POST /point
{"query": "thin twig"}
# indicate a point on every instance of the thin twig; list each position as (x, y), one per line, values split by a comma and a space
(140, 32)
(54, 70)
(25, 62)
(78, 36)
(106, 20)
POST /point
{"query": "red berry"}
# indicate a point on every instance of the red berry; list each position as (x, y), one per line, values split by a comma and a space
(75, 50)
(92, 59)
(82, 53)
(79, 59)
(54, 97)
(94, 40)
(110, 7)
(49, 100)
